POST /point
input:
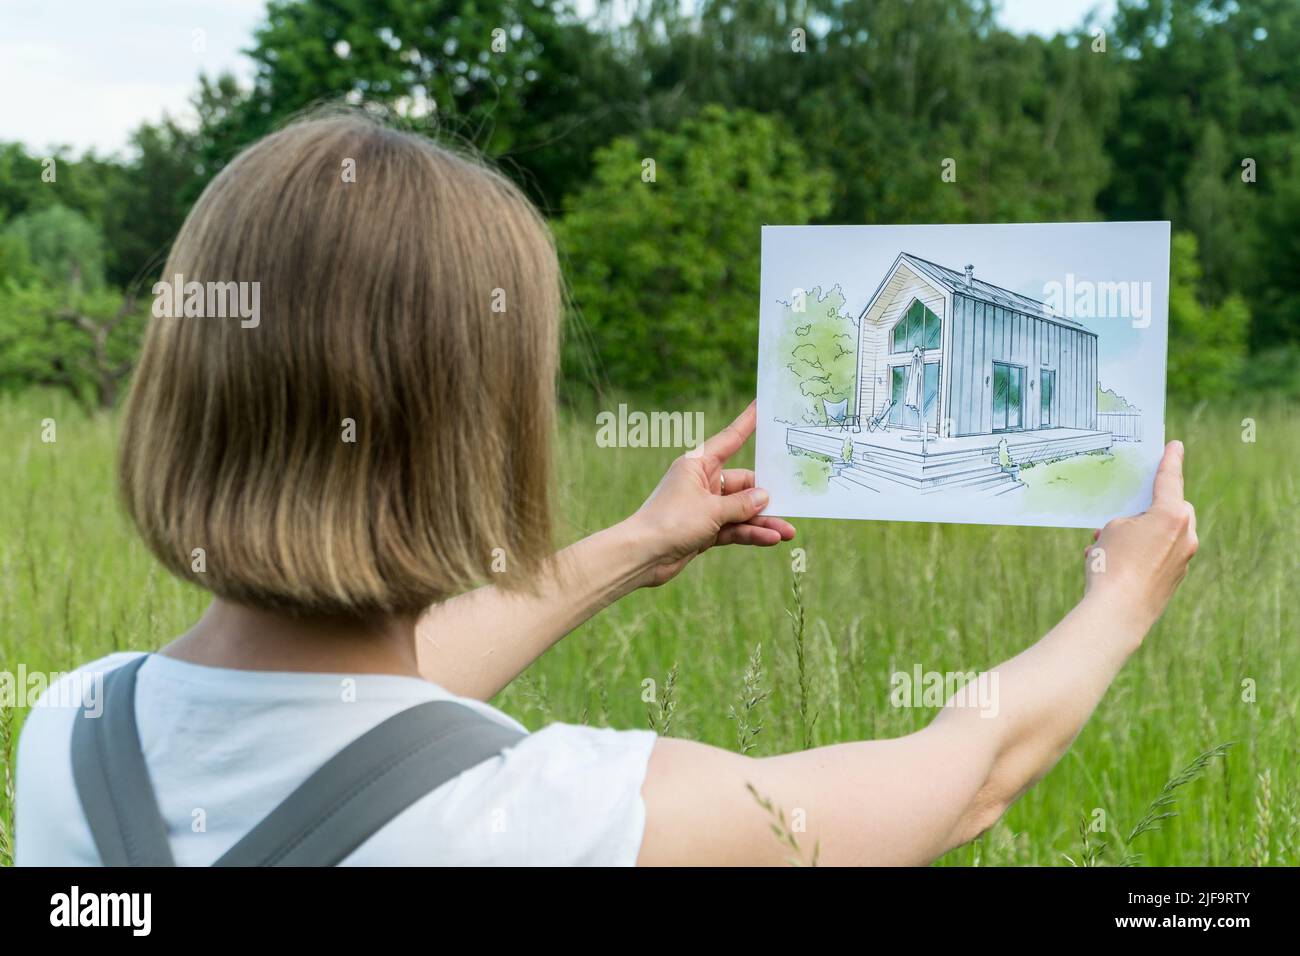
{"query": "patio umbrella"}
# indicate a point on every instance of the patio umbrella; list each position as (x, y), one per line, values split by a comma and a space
(914, 392)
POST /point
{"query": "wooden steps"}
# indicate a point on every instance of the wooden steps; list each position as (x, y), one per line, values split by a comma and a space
(889, 462)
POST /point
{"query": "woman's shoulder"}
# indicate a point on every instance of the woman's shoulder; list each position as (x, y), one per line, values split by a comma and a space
(51, 693)
(50, 826)
(55, 698)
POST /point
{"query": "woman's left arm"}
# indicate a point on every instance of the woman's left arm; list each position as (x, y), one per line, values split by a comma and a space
(476, 643)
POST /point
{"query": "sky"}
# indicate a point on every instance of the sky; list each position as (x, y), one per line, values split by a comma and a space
(85, 73)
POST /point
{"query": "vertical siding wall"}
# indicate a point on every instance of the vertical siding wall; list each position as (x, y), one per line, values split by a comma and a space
(983, 334)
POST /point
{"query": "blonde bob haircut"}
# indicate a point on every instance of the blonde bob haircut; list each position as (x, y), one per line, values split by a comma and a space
(380, 438)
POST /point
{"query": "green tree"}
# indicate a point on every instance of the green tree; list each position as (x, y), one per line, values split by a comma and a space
(21, 187)
(1207, 343)
(63, 247)
(60, 323)
(1275, 300)
(886, 92)
(15, 259)
(1211, 85)
(662, 252)
(148, 199)
(526, 81)
(85, 344)
(1217, 209)
(30, 183)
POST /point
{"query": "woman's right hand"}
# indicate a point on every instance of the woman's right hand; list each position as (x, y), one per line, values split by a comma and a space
(1139, 562)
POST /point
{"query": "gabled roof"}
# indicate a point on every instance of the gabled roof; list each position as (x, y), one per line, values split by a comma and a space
(955, 282)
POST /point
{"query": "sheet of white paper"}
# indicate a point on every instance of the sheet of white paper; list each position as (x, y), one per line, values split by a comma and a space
(1034, 353)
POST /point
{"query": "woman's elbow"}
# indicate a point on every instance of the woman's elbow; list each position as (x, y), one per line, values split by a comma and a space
(969, 752)
(984, 811)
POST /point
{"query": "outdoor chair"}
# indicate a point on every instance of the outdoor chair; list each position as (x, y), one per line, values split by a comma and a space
(837, 414)
(880, 422)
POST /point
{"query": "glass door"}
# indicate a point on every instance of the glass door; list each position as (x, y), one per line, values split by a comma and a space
(904, 416)
(1046, 392)
(1008, 397)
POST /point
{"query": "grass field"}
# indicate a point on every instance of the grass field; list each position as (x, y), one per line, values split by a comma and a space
(875, 599)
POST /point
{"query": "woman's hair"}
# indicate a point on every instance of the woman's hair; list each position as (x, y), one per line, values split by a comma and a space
(373, 433)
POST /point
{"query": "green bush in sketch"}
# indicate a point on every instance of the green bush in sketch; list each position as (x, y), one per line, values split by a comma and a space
(817, 349)
(1109, 401)
(811, 470)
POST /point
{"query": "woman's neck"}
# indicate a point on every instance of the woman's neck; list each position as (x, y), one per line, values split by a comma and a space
(245, 638)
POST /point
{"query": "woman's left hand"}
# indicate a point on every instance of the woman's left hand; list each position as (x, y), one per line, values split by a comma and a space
(699, 504)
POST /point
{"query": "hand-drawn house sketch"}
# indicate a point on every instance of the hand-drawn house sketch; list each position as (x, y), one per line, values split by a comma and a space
(959, 384)
(969, 373)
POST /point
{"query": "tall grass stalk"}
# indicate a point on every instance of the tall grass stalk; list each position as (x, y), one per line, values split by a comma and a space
(76, 584)
(664, 708)
(784, 831)
(797, 630)
(745, 712)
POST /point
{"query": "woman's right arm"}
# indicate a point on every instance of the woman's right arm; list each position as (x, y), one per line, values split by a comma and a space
(911, 799)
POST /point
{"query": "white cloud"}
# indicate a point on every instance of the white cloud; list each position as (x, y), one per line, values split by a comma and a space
(1048, 17)
(86, 73)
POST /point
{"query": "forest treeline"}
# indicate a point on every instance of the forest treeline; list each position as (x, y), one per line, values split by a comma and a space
(658, 140)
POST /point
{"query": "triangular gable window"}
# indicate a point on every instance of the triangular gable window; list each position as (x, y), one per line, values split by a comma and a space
(918, 326)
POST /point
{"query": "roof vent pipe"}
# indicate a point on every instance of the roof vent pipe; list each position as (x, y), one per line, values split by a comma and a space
(970, 275)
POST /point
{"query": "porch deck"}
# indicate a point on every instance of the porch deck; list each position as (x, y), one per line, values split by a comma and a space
(892, 458)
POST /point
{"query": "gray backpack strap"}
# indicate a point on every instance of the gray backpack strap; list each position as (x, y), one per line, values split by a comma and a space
(112, 778)
(369, 782)
(340, 806)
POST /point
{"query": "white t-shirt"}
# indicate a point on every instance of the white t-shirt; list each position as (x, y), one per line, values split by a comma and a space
(224, 747)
